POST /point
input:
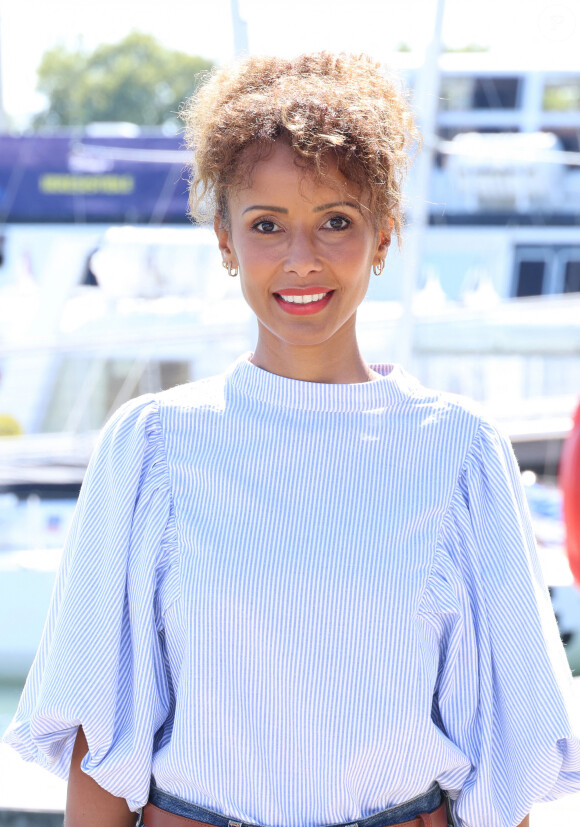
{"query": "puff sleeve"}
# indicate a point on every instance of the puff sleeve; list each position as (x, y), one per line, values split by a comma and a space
(100, 663)
(504, 692)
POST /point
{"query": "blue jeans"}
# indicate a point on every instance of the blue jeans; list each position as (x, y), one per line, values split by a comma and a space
(425, 803)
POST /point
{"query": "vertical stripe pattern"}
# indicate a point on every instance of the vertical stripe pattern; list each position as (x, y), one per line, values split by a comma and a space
(299, 604)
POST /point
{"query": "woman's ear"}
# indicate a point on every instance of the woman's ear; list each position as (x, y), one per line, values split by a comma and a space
(387, 233)
(385, 237)
(224, 241)
(382, 248)
(223, 236)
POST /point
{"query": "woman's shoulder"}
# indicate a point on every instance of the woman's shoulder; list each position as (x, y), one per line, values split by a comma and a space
(460, 433)
(148, 425)
(144, 412)
(469, 417)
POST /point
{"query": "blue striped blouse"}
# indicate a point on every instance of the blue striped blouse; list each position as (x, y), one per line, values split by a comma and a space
(299, 604)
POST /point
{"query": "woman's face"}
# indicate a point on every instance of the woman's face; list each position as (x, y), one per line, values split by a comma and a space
(304, 251)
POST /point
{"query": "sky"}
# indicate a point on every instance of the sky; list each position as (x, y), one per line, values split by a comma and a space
(524, 32)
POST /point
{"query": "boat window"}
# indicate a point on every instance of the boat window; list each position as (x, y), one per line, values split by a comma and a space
(530, 279)
(572, 276)
(456, 93)
(546, 269)
(484, 92)
(561, 94)
(495, 93)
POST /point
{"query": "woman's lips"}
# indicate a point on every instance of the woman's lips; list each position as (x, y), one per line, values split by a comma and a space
(303, 302)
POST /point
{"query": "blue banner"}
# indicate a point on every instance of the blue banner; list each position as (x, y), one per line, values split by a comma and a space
(72, 178)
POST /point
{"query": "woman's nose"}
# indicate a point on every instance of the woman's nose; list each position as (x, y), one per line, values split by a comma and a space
(301, 257)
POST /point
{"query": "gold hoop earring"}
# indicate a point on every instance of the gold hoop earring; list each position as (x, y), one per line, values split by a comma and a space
(378, 268)
(231, 268)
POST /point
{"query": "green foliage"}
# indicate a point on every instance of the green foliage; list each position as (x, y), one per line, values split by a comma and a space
(136, 80)
(470, 47)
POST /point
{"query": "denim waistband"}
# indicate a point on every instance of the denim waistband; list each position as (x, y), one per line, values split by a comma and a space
(425, 803)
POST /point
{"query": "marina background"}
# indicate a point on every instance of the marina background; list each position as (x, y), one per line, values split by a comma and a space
(106, 291)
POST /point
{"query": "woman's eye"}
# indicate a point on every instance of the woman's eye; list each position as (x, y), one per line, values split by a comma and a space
(337, 222)
(266, 227)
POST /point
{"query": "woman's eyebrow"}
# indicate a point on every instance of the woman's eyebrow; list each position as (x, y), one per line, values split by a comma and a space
(336, 204)
(267, 208)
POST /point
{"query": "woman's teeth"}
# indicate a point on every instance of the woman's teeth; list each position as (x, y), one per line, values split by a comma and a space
(315, 297)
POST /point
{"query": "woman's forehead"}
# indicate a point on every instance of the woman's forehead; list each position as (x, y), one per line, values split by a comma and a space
(278, 166)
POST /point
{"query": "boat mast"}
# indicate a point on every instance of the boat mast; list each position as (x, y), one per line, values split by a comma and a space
(425, 104)
(240, 28)
(3, 118)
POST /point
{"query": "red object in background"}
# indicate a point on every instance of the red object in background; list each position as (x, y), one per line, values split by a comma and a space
(570, 485)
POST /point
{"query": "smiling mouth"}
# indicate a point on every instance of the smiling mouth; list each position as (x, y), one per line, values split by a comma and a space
(303, 304)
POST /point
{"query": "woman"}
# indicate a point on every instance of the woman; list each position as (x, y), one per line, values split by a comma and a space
(304, 592)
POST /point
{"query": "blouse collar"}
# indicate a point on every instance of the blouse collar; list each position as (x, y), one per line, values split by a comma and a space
(393, 385)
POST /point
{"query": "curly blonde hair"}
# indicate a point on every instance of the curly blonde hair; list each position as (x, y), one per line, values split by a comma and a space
(322, 104)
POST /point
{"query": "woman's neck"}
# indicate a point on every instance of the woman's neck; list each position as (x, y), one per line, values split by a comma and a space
(317, 363)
